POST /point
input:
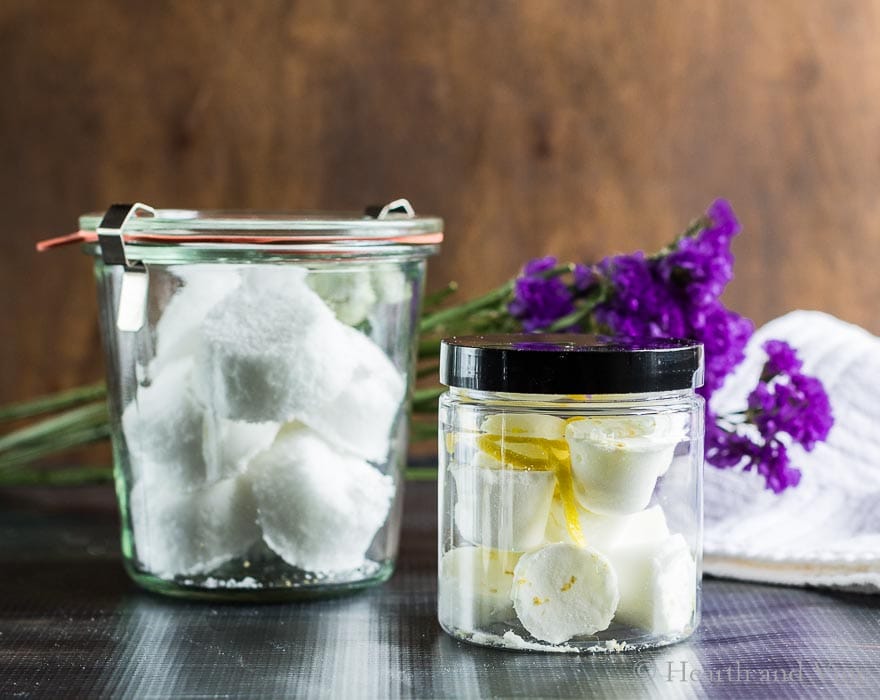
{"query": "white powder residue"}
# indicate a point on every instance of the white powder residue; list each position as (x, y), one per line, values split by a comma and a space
(511, 640)
(611, 645)
(514, 641)
(211, 582)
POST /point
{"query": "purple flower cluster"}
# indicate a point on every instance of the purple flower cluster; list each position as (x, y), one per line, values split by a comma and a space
(787, 406)
(677, 294)
(799, 407)
(781, 359)
(538, 299)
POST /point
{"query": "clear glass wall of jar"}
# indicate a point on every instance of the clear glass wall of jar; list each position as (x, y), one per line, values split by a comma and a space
(259, 413)
(570, 519)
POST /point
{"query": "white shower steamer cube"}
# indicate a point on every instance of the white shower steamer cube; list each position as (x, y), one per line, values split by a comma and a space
(616, 461)
(562, 591)
(361, 418)
(603, 532)
(390, 284)
(501, 507)
(177, 330)
(163, 430)
(475, 587)
(524, 425)
(657, 584)
(229, 446)
(184, 533)
(319, 508)
(349, 293)
(272, 353)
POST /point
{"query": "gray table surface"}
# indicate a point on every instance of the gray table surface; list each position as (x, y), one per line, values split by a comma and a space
(73, 625)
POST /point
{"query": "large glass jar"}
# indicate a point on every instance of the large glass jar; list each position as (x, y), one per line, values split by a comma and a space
(570, 499)
(259, 371)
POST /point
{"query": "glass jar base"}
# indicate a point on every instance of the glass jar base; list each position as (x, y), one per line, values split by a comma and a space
(511, 641)
(249, 590)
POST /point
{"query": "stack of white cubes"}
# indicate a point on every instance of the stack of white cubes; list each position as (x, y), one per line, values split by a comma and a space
(265, 418)
(566, 563)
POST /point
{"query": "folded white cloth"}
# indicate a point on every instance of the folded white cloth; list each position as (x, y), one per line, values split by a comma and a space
(826, 530)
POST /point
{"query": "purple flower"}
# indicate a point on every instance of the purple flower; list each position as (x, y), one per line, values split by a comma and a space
(724, 334)
(640, 304)
(724, 225)
(726, 448)
(781, 359)
(701, 267)
(787, 406)
(584, 277)
(538, 301)
(772, 462)
(677, 294)
(795, 404)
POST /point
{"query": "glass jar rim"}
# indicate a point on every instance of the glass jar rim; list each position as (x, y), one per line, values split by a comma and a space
(169, 234)
(244, 222)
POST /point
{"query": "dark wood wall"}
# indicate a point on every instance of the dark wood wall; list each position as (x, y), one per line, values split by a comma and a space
(576, 128)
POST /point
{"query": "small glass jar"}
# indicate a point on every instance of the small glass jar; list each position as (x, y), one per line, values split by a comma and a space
(570, 495)
(259, 371)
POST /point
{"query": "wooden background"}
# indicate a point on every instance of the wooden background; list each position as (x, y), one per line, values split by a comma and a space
(577, 128)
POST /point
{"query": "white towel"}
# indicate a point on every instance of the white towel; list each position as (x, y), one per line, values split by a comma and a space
(826, 530)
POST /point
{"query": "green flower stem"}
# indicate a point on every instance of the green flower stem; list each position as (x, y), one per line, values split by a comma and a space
(62, 441)
(556, 271)
(493, 321)
(421, 474)
(53, 402)
(571, 319)
(67, 476)
(428, 370)
(696, 226)
(692, 230)
(423, 430)
(583, 311)
(81, 476)
(444, 317)
(429, 347)
(425, 394)
(426, 398)
(438, 297)
(89, 416)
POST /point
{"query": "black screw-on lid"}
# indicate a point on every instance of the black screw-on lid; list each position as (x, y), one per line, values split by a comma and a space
(570, 364)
